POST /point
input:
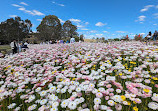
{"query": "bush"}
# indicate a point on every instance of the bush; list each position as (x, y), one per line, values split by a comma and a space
(138, 38)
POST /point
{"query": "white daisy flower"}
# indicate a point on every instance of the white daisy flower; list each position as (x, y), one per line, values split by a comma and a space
(55, 104)
(43, 93)
(38, 89)
(52, 89)
(97, 101)
(111, 103)
(54, 109)
(44, 101)
(153, 105)
(72, 105)
(78, 89)
(64, 104)
(31, 98)
(11, 106)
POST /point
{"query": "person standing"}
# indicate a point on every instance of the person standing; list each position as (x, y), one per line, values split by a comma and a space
(72, 40)
(61, 41)
(155, 35)
(14, 47)
(20, 46)
(149, 36)
(25, 46)
(67, 41)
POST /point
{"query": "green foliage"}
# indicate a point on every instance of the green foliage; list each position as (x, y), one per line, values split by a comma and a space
(50, 28)
(82, 38)
(138, 38)
(68, 29)
(125, 38)
(102, 39)
(116, 39)
(4, 49)
(76, 38)
(14, 29)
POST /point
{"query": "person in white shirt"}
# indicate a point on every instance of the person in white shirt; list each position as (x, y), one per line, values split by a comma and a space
(25, 46)
(14, 46)
(72, 40)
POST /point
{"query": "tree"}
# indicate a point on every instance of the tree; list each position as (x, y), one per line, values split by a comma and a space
(14, 28)
(82, 38)
(50, 28)
(76, 38)
(116, 39)
(138, 37)
(97, 39)
(125, 38)
(102, 39)
(68, 29)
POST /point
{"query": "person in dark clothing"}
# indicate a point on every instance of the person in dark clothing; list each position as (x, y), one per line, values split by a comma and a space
(148, 37)
(14, 46)
(25, 46)
(150, 33)
(155, 35)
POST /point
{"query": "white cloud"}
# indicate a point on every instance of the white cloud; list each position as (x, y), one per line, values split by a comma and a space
(22, 8)
(105, 31)
(15, 5)
(87, 36)
(99, 24)
(29, 12)
(13, 16)
(93, 31)
(80, 26)
(142, 33)
(39, 20)
(84, 29)
(62, 21)
(23, 3)
(143, 10)
(33, 12)
(141, 18)
(99, 35)
(154, 24)
(62, 5)
(75, 20)
(36, 12)
(121, 32)
(86, 23)
(146, 8)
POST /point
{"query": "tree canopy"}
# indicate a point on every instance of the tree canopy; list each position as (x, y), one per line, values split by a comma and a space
(50, 28)
(14, 28)
(68, 29)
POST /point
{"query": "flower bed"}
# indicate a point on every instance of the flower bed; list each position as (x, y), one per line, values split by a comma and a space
(122, 76)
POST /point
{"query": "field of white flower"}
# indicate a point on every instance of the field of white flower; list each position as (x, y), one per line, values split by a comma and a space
(122, 76)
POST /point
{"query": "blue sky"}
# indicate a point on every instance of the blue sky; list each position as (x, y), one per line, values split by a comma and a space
(94, 18)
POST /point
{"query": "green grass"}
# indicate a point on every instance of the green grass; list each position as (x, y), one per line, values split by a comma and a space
(5, 49)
